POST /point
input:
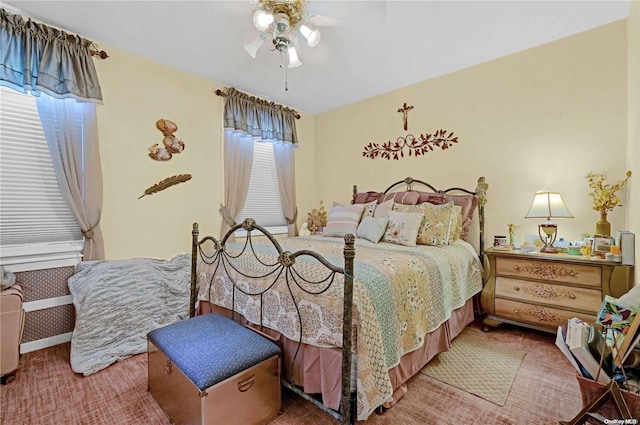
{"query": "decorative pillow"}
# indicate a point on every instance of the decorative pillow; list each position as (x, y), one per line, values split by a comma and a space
(406, 198)
(420, 208)
(432, 198)
(469, 203)
(456, 226)
(372, 229)
(383, 209)
(436, 227)
(343, 219)
(369, 209)
(365, 197)
(403, 228)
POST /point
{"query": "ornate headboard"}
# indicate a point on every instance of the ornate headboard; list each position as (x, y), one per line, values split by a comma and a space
(409, 183)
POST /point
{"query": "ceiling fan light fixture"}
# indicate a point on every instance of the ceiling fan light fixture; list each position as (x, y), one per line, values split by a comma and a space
(294, 62)
(279, 21)
(312, 36)
(262, 19)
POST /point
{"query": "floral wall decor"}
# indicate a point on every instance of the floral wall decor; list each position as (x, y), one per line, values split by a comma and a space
(415, 146)
(170, 143)
(165, 183)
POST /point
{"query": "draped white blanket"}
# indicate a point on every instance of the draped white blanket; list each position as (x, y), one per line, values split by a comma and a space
(118, 302)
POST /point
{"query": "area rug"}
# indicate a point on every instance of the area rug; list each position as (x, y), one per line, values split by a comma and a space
(478, 367)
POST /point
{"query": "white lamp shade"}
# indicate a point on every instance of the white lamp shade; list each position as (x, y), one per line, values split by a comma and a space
(548, 205)
(252, 48)
(312, 36)
(294, 62)
(262, 19)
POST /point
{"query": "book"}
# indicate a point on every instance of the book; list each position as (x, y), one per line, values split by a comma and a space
(578, 343)
(562, 345)
(615, 315)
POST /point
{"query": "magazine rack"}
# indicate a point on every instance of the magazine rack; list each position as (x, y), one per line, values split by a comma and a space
(589, 412)
(595, 395)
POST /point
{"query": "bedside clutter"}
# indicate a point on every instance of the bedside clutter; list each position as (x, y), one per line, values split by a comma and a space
(620, 249)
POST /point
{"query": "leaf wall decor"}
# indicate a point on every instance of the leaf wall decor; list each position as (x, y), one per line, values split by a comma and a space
(417, 146)
(165, 183)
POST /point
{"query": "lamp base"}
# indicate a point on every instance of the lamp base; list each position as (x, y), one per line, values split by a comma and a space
(548, 232)
(549, 249)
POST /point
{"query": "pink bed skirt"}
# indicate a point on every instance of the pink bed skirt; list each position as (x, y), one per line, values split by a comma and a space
(318, 370)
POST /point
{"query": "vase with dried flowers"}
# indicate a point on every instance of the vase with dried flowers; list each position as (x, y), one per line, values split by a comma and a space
(605, 198)
(317, 219)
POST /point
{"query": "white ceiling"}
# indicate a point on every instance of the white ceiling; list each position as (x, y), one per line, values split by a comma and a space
(375, 47)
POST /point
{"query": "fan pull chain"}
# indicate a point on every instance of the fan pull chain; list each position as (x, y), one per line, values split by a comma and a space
(283, 65)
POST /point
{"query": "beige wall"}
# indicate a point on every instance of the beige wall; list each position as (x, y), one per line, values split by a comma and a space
(137, 92)
(633, 140)
(542, 118)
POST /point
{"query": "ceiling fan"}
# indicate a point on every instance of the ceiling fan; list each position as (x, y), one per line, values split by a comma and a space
(279, 21)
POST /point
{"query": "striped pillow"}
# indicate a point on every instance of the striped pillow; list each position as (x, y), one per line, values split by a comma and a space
(343, 219)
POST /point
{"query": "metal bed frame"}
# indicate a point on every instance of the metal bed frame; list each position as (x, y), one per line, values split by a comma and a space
(285, 267)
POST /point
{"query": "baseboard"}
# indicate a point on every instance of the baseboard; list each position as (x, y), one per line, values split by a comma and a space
(39, 344)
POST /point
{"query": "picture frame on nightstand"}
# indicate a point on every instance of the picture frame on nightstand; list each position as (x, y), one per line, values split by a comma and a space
(601, 245)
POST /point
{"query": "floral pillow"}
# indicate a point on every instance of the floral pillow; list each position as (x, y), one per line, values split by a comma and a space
(372, 229)
(420, 208)
(343, 219)
(456, 226)
(403, 228)
(436, 229)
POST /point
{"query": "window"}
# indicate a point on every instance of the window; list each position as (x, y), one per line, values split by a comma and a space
(34, 218)
(263, 202)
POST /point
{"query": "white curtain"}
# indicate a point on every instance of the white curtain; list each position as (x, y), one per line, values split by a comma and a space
(75, 155)
(238, 160)
(284, 154)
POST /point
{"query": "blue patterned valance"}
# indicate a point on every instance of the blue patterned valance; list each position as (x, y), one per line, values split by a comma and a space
(37, 58)
(260, 118)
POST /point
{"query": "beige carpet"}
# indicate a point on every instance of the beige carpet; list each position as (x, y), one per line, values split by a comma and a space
(478, 367)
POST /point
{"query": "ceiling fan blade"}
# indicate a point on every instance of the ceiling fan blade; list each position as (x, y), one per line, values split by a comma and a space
(323, 21)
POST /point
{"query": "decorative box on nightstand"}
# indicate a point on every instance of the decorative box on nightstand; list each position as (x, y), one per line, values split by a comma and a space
(542, 291)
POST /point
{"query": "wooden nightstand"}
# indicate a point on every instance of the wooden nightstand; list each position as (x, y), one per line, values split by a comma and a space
(542, 291)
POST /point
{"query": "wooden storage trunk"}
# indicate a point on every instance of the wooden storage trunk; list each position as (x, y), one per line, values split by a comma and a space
(11, 326)
(210, 370)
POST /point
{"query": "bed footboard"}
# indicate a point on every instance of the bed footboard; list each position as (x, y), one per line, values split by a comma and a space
(283, 270)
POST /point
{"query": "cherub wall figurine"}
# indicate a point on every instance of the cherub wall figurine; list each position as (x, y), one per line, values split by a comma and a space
(171, 144)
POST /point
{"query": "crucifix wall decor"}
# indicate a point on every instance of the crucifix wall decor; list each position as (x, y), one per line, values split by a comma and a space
(405, 115)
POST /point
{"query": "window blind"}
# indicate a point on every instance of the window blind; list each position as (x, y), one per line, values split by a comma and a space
(263, 202)
(32, 209)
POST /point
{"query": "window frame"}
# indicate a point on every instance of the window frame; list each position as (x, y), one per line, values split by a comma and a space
(273, 229)
(36, 255)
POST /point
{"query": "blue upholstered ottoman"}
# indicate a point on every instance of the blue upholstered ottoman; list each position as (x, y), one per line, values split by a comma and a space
(211, 370)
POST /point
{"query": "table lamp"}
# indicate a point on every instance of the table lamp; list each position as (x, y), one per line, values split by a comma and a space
(548, 205)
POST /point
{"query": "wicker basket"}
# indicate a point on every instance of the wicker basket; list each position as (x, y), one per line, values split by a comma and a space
(591, 389)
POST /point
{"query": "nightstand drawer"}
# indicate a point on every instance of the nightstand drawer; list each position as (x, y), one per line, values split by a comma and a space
(537, 315)
(550, 271)
(549, 293)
